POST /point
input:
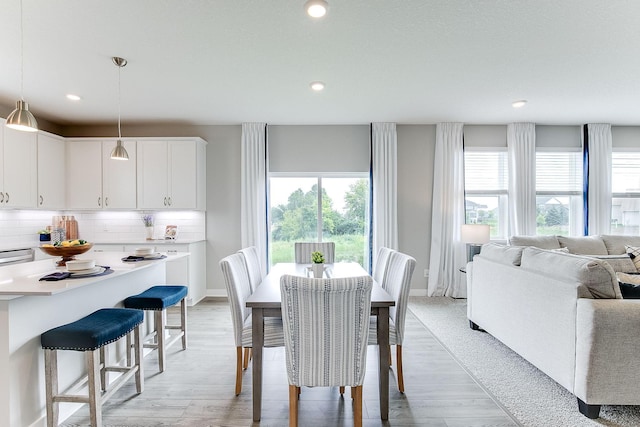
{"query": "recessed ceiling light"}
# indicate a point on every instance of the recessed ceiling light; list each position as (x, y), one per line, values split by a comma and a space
(519, 104)
(73, 97)
(316, 8)
(317, 86)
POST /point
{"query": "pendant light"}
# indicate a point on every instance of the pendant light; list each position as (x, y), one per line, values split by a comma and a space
(119, 152)
(21, 118)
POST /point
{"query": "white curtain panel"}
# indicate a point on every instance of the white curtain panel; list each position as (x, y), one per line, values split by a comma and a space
(253, 192)
(447, 251)
(521, 146)
(600, 146)
(384, 174)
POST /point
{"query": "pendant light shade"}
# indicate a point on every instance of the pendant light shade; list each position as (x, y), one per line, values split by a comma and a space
(21, 118)
(119, 152)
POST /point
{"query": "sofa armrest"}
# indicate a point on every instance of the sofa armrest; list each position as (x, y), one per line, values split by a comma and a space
(607, 345)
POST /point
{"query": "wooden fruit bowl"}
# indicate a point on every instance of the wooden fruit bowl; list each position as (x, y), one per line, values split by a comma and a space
(66, 252)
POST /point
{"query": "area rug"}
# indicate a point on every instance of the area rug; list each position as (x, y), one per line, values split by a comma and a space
(528, 394)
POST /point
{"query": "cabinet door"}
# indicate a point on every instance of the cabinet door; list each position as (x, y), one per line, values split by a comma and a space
(51, 172)
(119, 177)
(182, 175)
(152, 175)
(20, 168)
(84, 174)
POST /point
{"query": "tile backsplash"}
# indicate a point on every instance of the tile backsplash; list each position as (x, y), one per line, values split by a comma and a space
(18, 228)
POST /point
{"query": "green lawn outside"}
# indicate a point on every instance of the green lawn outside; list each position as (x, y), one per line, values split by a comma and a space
(349, 247)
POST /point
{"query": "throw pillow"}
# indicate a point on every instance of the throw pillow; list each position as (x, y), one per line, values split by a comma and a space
(634, 254)
(629, 285)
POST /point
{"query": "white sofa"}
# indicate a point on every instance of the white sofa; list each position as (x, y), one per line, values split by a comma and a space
(563, 313)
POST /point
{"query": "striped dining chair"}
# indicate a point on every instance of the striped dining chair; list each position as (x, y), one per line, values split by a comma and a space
(252, 262)
(326, 327)
(382, 261)
(397, 282)
(303, 251)
(236, 280)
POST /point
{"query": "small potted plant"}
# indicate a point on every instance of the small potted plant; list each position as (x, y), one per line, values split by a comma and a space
(148, 225)
(317, 260)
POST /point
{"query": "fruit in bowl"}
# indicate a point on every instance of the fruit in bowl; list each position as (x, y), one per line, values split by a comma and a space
(67, 249)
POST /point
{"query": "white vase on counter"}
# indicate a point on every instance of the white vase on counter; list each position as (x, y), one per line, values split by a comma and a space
(149, 232)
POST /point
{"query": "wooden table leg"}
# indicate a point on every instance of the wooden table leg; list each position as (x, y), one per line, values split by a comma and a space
(257, 315)
(383, 347)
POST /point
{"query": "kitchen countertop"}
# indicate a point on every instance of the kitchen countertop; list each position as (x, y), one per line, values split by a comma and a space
(149, 242)
(23, 279)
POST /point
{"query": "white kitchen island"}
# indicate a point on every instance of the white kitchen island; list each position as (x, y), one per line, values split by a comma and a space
(29, 307)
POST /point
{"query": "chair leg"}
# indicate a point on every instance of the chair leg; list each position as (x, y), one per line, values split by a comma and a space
(390, 361)
(104, 375)
(183, 322)
(247, 353)
(293, 405)
(129, 347)
(92, 359)
(399, 363)
(341, 389)
(357, 406)
(238, 370)
(137, 337)
(160, 322)
(51, 383)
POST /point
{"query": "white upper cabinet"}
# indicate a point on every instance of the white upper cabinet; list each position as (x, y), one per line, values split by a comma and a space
(51, 171)
(20, 165)
(171, 174)
(119, 177)
(84, 174)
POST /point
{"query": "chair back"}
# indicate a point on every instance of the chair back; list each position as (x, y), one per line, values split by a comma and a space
(397, 283)
(252, 262)
(326, 329)
(303, 251)
(236, 279)
(382, 261)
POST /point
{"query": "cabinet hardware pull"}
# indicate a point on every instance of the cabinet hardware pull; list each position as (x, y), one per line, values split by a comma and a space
(165, 201)
(106, 201)
(169, 201)
(99, 201)
(41, 200)
(7, 194)
(2, 199)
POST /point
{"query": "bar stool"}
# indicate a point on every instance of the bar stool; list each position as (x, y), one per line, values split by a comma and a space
(158, 299)
(91, 334)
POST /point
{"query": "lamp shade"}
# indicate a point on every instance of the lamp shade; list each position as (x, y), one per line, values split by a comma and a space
(475, 233)
(119, 152)
(21, 118)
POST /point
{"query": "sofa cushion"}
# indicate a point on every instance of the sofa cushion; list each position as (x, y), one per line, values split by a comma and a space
(616, 243)
(542, 242)
(509, 255)
(585, 245)
(629, 285)
(619, 263)
(634, 255)
(596, 275)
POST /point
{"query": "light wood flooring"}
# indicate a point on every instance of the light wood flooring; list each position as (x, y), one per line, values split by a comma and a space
(197, 387)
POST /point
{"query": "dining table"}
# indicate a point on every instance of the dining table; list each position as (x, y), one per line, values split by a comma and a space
(266, 301)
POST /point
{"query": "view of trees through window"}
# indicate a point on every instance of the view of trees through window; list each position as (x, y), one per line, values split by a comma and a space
(313, 209)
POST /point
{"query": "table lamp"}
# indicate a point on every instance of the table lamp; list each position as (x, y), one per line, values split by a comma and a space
(474, 235)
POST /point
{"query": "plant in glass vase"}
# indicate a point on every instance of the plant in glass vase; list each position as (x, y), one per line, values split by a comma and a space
(317, 260)
(147, 219)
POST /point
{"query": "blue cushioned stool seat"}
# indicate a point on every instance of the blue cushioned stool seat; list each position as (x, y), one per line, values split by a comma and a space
(93, 331)
(91, 334)
(157, 297)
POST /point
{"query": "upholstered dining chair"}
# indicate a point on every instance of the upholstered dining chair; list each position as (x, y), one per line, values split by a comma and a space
(236, 280)
(382, 261)
(303, 251)
(252, 262)
(397, 282)
(326, 327)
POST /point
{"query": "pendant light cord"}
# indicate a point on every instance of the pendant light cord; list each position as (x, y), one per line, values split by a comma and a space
(119, 133)
(21, 55)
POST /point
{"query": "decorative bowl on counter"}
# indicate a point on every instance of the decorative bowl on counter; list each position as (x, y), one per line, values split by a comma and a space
(67, 253)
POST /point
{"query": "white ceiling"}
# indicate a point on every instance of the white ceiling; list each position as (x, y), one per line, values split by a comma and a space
(406, 61)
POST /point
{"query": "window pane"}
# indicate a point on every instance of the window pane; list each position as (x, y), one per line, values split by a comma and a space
(485, 171)
(625, 215)
(343, 217)
(559, 215)
(294, 215)
(487, 210)
(559, 171)
(625, 172)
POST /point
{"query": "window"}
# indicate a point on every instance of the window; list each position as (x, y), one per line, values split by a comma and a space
(559, 201)
(320, 208)
(625, 186)
(486, 190)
